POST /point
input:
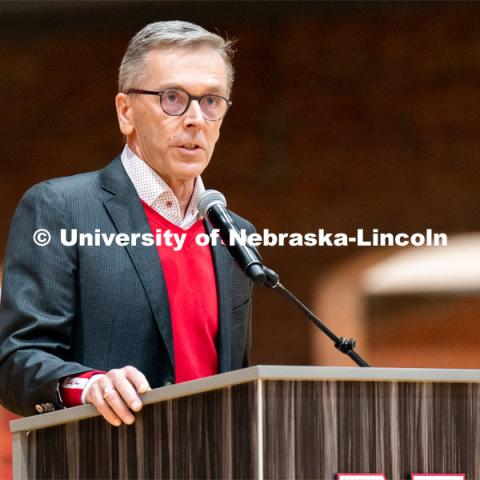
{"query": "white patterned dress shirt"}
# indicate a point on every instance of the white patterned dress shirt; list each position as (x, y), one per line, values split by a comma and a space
(155, 192)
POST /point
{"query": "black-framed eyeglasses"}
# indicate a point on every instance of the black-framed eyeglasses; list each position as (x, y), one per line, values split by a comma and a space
(176, 102)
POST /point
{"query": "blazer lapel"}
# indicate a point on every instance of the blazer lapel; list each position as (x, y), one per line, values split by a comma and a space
(128, 215)
(223, 263)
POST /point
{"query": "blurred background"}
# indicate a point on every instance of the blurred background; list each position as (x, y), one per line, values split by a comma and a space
(345, 116)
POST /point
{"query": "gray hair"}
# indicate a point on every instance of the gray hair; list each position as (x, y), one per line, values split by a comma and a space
(170, 34)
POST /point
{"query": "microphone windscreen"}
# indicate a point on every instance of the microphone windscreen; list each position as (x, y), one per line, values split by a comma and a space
(208, 199)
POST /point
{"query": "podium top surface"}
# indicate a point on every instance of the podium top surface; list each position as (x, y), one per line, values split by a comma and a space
(259, 373)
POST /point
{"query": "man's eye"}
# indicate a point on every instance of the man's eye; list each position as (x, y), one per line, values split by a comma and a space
(171, 97)
(211, 100)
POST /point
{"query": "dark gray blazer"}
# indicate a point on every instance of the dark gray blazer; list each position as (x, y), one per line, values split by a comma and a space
(66, 310)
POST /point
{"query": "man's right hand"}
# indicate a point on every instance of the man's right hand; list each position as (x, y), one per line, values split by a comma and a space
(115, 394)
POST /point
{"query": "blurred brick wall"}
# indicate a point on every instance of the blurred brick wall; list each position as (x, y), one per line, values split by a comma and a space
(370, 118)
(345, 116)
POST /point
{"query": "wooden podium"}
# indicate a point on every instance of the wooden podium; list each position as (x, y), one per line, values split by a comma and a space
(269, 422)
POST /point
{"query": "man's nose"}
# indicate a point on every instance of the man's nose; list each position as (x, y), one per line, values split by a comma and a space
(194, 116)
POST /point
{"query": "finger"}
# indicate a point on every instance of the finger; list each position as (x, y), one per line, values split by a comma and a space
(127, 392)
(116, 403)
(137, 378)
(95, 397)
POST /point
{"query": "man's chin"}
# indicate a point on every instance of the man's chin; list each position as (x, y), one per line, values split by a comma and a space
(187, 173)
(189, 168)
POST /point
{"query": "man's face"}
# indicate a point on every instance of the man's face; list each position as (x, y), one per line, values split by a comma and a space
(160, 139)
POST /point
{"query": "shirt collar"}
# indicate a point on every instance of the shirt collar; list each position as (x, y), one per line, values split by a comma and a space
(156, 193)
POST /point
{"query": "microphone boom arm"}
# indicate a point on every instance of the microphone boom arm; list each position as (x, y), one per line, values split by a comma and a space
(272, 280)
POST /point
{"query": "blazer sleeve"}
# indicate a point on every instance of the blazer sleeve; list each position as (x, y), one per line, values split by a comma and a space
(38, 304)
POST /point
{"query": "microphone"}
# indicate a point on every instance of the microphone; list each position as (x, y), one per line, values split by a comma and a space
(212, 205)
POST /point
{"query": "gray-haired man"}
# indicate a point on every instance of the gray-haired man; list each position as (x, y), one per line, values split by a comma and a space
(103, 324)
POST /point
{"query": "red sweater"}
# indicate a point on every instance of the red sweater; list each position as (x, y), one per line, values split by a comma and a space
(192, 295)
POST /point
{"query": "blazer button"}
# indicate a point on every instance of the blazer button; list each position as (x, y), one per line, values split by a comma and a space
(39, 408)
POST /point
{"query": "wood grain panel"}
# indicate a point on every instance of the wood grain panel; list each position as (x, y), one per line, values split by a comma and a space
(316, 429)
(312, 429)
(207, 435)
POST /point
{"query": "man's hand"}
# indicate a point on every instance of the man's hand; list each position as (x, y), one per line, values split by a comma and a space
(115, 394)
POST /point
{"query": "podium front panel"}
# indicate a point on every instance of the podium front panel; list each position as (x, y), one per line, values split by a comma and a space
(270, 423)
(314, 429)
(207, 435)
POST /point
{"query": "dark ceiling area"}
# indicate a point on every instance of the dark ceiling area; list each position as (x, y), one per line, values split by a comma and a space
(89, 15)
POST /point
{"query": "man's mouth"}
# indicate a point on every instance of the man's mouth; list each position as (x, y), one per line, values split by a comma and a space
(190, 146)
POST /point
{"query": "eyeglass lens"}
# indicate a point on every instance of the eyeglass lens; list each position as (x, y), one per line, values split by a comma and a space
(176, 102)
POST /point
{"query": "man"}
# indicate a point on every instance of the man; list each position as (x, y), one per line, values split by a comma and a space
(103, 324)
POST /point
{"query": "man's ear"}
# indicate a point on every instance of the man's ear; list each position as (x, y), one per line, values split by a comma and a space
(124, 114)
